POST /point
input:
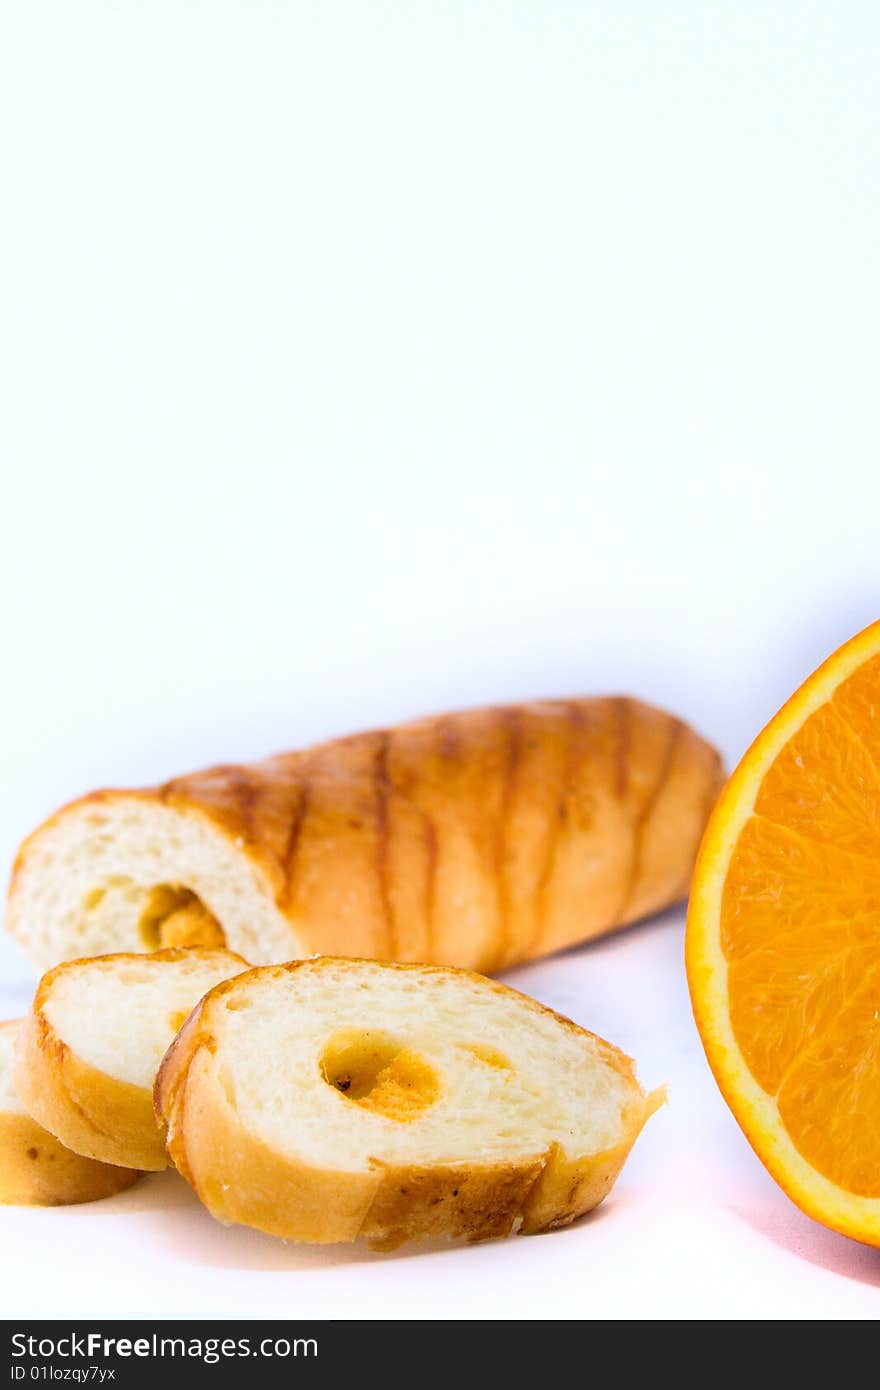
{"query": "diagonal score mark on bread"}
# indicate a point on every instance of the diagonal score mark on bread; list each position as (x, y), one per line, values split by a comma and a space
(332, 1099)
(88, 1052)
(478, 839)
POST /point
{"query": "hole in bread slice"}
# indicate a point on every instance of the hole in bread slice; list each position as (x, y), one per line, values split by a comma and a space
(128, 873)
(379, 1073)
(175, 916)
(161, 916)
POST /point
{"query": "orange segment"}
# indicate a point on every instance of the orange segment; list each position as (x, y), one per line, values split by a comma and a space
(778, 882)
(828, 1101)
(783, 942)
(789, 992)
(825, 785)
(858, 701)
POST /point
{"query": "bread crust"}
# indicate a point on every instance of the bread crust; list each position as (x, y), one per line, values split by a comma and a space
(242, 1179)
(92, 1113)
(479, 839)
(38, 1171)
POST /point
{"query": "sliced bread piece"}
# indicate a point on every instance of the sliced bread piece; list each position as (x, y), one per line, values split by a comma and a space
(329, 1099)
(89, 1050)
(35, 1170)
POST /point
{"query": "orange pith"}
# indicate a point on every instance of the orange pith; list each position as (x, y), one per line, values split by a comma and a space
(783, 947)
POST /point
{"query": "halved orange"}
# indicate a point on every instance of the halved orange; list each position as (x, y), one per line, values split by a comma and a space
(783, 942)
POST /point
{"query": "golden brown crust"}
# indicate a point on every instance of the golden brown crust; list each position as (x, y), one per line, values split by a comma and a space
(92, 1113)
(38, 1171)
(478, 839)
(241, 1179)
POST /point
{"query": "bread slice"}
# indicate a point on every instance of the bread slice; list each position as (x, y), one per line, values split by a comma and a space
(89, 1050)
(35, 1170)
(330, 1099)
(476, 839)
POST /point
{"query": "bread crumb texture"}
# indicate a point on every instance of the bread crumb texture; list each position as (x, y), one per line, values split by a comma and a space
(119, 1013)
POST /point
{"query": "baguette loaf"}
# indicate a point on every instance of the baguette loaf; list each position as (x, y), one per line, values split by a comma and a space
(328, 1099)
(480, 840)
(35, 1170)
(89, 1050)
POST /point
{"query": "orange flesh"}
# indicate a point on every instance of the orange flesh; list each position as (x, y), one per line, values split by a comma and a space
(800, 929)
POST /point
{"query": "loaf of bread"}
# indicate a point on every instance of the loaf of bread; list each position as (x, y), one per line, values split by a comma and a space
(35, 1170)
(327, 1100)
(90, 1048)
(478, 839)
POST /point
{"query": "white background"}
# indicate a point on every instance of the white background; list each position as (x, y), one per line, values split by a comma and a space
(363, 360)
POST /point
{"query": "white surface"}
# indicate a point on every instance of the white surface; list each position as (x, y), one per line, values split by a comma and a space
(364, 360)
(694, 1227)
